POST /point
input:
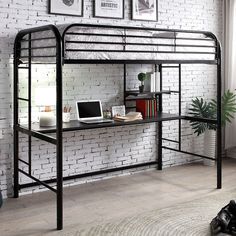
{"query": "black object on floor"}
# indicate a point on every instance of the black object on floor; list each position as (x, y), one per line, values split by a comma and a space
(1, 201)
(225, 221)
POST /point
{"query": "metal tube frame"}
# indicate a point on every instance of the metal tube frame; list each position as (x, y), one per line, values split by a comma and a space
(61, 59)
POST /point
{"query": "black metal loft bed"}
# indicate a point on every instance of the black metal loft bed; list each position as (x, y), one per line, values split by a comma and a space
(103, 44)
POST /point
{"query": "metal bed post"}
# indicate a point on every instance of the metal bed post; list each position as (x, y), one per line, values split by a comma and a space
(159, 160)
(29, 106)
(219, 126)
(59, 144)
(16, 117)
(180, 107)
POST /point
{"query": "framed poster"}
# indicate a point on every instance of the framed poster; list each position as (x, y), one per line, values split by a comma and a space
(144, 10)
(66, 7)
(109, 8)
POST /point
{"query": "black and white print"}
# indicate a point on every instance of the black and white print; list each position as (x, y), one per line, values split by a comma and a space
(144, 10)
(66, 7)
(109, 8)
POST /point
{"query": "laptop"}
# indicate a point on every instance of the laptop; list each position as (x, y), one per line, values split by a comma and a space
(90, 112)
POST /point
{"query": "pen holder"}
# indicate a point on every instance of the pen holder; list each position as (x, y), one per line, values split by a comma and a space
(66, 116)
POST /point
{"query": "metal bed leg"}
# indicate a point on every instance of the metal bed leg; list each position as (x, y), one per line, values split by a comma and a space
(219, 131)
(159, 146)
(16, 163)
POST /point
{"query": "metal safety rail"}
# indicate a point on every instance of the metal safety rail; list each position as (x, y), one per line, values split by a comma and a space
(120, 44)
(129, 45)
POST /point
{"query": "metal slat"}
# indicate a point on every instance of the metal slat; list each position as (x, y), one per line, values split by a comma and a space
(32, 48)
(39, 181)
(189, 153)
(133, 51)
(23, 161)
(99, 172)
(36, 134)
(170, 140)
(96, 61)
(139, 44)
(137, 36)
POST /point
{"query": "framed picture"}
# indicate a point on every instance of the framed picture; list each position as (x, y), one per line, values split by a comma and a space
(118, 110)
(145, 10)
(66, 7)
(109, 8)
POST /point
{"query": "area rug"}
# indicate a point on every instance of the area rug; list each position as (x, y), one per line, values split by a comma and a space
(186, 219)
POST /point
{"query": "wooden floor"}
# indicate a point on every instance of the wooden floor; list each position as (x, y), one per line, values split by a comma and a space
(114, 198)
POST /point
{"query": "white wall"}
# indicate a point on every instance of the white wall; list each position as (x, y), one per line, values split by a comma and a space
(96, 149)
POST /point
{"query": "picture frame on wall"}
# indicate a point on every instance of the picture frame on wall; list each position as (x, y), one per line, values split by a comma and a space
(66, 7)
(144, 10)
(109, 9)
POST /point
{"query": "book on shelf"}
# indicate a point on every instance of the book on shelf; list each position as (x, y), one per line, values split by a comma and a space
(131, 116)
(148, 108)
(152, 84)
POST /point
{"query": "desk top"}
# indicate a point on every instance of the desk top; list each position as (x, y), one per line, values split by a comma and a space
(76, 125)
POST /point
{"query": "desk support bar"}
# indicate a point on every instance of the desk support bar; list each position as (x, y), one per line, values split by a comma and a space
(99, 172)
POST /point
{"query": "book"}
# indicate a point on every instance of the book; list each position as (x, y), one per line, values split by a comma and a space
(148, 108)
(131, 116)
(152, 83)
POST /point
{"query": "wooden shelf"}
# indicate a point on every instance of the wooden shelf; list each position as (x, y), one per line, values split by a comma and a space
(76, 125)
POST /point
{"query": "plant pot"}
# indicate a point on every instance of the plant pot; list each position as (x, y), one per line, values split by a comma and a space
(141, 88)
(209, 147)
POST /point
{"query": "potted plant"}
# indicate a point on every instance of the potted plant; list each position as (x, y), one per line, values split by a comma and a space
(142, 77)
(201, 108)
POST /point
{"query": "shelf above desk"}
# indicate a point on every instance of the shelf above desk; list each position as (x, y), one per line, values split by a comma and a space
(76, 125)
(133, 95)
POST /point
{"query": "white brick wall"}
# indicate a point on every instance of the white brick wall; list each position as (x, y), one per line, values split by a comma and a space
(84, 151)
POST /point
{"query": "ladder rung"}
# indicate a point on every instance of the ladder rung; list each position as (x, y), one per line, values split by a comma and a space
(23, 99)
(24, 162)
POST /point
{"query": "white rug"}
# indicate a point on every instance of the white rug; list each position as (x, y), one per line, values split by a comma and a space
(186, 219)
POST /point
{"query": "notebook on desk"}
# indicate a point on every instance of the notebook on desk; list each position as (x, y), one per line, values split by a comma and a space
(90, 112)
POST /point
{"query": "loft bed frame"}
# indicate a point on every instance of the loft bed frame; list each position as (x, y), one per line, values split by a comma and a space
(104, 44)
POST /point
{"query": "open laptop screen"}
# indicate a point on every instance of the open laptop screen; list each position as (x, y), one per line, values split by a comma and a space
(89, 110)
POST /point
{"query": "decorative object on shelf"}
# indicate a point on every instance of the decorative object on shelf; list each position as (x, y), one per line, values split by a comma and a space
(66, 114)
(66, 7)
(142, 77)
(46, 97)
(144, 10)
(109, 8)
(148, 107)
(131, 116)
(118, 110)
(107, 114)
(203, 109)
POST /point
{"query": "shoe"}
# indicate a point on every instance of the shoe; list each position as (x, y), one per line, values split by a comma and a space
(225, 221)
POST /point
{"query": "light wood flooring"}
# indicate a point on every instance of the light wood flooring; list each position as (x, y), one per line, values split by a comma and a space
(114, 198)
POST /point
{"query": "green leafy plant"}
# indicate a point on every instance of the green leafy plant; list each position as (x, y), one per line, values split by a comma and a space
(203, 109)
(142, 77)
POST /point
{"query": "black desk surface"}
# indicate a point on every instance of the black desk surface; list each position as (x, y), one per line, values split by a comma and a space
(76, 125)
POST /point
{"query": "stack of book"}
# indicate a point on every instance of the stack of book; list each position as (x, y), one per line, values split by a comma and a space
(148, 108)
(131, 116)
